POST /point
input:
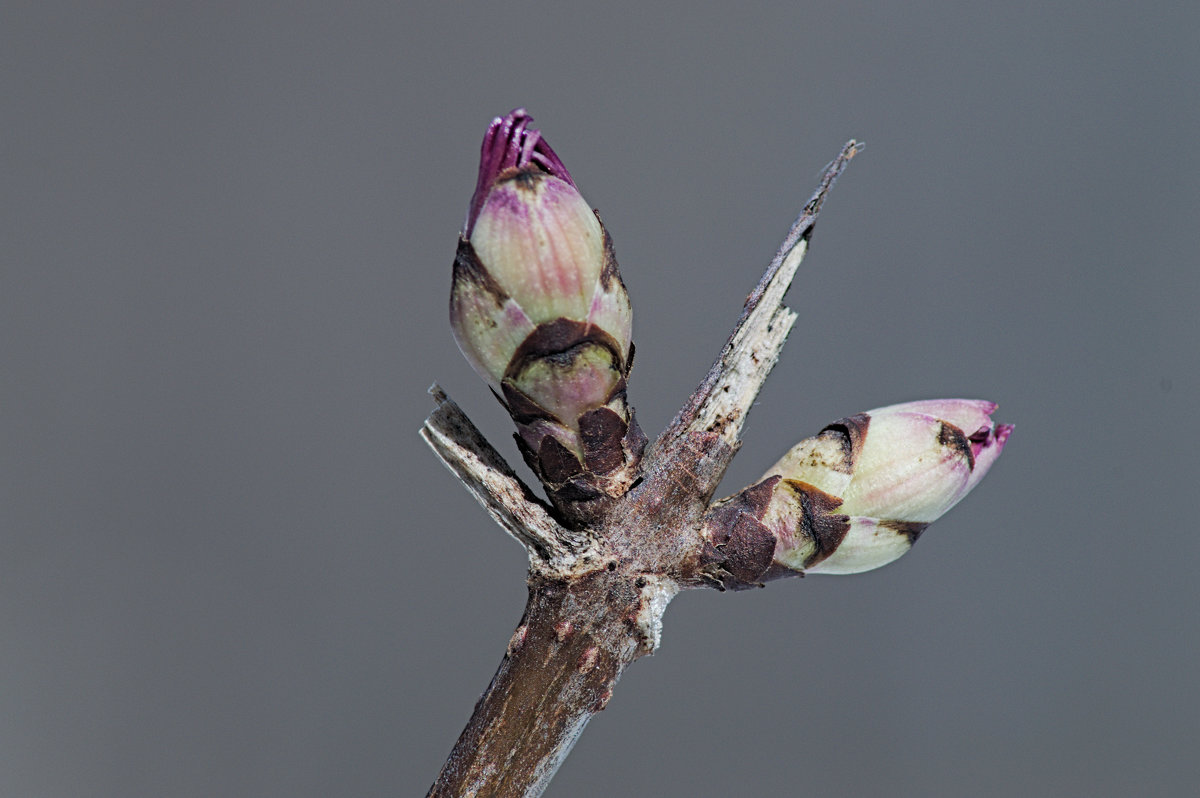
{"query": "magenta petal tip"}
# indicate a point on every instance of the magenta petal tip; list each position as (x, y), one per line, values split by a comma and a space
(510, 143)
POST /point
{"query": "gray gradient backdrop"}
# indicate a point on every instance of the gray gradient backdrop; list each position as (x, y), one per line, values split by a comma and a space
(229, 567)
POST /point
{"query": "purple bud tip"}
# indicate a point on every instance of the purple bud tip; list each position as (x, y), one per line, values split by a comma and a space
(989, 436)
(510, 144)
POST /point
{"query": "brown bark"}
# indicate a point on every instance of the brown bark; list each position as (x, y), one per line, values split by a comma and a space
(562, 662)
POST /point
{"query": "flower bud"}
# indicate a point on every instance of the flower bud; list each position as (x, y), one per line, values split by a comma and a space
(539, 310)
(857, 495)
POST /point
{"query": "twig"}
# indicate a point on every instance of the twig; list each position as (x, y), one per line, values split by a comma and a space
(463, 449)
(722, 401)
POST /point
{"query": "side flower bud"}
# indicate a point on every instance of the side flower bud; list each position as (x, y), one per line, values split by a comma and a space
(539, 310)
(858, 494)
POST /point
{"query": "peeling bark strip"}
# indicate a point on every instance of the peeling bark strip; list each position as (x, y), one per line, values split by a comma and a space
(603, 573)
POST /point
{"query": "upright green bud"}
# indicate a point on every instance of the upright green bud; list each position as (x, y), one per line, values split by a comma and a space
(857, 495)
(539, 310)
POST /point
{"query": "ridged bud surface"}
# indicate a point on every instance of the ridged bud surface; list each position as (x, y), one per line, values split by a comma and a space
(857, 495)
(539, 310)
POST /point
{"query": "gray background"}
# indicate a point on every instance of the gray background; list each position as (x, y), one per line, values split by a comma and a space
(229, 567)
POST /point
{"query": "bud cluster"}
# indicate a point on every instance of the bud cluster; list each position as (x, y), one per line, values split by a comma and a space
(539, 310)
(857, 495)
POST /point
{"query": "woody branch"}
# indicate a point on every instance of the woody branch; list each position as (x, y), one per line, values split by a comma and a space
(539, 309)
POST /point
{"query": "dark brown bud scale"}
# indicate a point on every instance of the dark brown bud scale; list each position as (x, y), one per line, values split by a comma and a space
(819, 521)
(556, 462)
(749, 551)
(851, 432)
(910, 529)
(952, 437)
(603, 432)
(745, 530)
